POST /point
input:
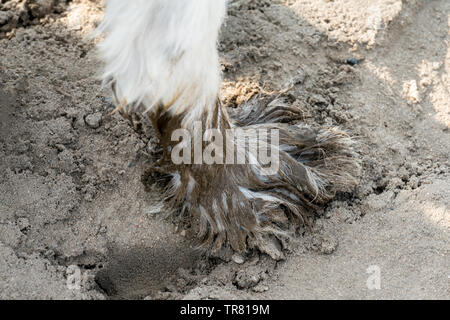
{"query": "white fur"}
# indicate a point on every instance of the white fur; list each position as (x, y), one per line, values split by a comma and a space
(163, 51)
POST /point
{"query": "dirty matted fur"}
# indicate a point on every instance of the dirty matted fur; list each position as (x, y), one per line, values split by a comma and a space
(161, 57)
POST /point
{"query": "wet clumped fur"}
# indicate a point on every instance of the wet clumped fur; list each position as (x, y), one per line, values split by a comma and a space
(234, 205)
(155, 69)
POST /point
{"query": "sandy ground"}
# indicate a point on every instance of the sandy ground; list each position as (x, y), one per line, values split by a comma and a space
(76, 222)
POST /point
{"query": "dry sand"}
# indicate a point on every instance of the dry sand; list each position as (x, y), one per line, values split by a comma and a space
(71, 191)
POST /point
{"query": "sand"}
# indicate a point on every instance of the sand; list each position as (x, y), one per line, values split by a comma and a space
(76, 221)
